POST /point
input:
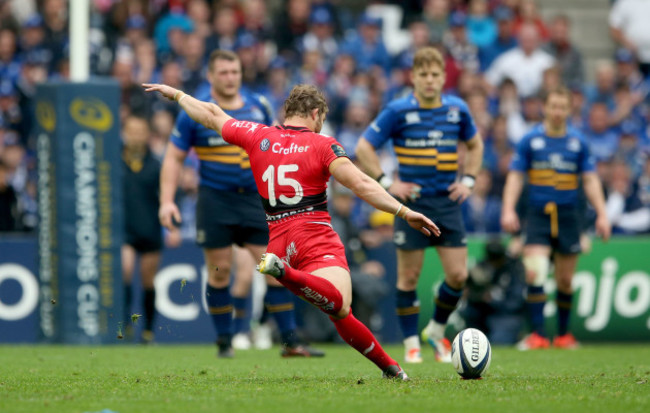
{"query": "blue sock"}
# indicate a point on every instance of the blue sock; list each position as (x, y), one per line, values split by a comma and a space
(445, 303)
(536, 299)
(279, 304)
(564, 302)
(408, 312)
(240, 320)
(220, 308)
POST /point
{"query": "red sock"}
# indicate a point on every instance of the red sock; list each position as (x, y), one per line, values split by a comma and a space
(361, 339)
(315, 290)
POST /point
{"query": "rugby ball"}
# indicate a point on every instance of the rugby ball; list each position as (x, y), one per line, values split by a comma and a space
(471, 353)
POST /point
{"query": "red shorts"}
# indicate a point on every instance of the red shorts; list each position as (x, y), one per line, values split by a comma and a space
(307, 246)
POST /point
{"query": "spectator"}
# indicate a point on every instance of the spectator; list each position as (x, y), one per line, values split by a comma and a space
(603, 90)
(9, 213)
(629, 150)
(256, 19)
(320, 36)
(464, 52)
(436, 15)
(10, 112)
(252, 58)
(504, 41)
(357, 117)
(145, 61)
(529, 14)
(602, 140)
(291, 24)
(482, 211)
(278, 84)
(9, 65)
(199, 12)
(524, 64)
(32, 38)
(628, 23)
(224, 30)
(494, 295)
(169, 34)
(520, 123)
(482, 29)
(193, 62)
(55, 15)
(568, 57)
(625, 209)
(628, 73)
(367, 45)
(577, 119)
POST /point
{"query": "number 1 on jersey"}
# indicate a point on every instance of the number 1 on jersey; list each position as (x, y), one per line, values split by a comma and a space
(269, 178)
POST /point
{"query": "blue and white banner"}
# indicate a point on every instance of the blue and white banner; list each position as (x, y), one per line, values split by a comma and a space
(80, 205)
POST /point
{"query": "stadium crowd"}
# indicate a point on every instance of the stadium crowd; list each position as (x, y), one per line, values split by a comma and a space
(501, 56)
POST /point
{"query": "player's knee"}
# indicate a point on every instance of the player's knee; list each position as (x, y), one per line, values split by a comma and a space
(456, 279)
(341, 313)
(219, 275)
(408, 279)
(537, 267)
(564, 284)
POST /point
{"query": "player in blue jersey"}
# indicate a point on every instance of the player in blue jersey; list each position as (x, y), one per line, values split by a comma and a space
(229, 210)
(425, 129)
(553, 157)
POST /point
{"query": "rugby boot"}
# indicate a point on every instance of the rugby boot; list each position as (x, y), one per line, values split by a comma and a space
(533, 341)
(300, 350)
(271, 265)
(566, 341)
(395, 372)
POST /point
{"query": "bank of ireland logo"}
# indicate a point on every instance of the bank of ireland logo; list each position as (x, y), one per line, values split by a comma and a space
(91, 113)
(45, 115)
(265, 145)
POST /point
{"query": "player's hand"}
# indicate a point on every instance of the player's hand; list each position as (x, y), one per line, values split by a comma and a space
(173, 238)
(167, 213)
(405, 191)
(603, 228)
(459, 192)
(422, 223)
(167, 91)
(510, 221)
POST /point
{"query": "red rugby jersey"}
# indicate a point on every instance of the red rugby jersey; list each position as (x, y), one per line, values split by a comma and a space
(290, 165)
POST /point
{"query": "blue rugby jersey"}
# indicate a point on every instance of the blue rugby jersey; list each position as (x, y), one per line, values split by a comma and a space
(222, 166)
(553, 165)
(425, 139)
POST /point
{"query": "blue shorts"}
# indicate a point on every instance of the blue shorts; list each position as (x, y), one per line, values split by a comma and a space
(557, 226)
(445, 213)
(224, 218)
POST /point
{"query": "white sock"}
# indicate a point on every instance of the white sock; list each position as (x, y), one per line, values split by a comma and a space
(436, 330)
(412, 342)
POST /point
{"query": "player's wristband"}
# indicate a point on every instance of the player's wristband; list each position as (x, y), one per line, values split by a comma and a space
(468, 181)
(402, 211)
(384, 181)
(182, 97)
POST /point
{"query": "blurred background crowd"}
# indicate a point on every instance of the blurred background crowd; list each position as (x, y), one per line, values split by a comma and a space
(500, 57)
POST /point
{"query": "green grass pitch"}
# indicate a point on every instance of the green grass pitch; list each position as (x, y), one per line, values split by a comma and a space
(187, 379)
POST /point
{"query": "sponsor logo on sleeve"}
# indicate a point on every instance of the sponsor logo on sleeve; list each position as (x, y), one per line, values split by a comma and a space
(573, 145)
(265, 145)
(338, 150)
(453, 116)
